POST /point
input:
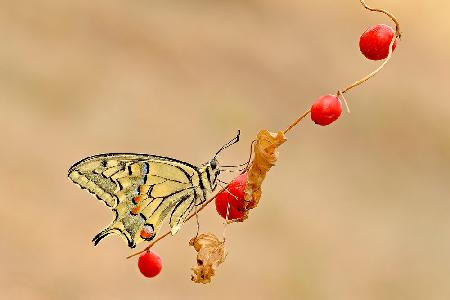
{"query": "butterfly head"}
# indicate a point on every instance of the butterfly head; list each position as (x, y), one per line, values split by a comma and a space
(214, 170)
(211, 170)
(210, 173)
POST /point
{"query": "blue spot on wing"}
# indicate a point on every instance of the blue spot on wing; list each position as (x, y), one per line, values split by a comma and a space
(145, 168)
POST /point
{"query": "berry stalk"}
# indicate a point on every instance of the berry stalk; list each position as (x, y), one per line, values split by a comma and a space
(341, 92)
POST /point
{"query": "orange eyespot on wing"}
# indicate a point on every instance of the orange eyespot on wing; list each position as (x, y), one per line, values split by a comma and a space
(147, 232)
(137, 199)
(135, 210)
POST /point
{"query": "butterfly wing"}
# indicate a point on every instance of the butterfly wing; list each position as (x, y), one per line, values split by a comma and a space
(142, 190)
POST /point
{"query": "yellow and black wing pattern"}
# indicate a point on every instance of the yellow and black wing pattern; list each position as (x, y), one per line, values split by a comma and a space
(142, 190)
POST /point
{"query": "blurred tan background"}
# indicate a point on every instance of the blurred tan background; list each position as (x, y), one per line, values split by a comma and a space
(356, 210)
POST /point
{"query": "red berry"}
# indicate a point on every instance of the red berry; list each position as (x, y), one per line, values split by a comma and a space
(234, 196)
(150, 264)
(374, 42)
(326, 110)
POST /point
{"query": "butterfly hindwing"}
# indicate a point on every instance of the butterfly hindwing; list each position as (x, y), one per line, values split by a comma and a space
(142, 190)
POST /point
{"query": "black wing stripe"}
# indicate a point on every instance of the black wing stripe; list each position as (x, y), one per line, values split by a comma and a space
(181, 201)
(188, 176)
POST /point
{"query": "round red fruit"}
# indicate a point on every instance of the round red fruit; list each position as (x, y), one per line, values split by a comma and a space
(326, 110)
(150, 264)
(374, 42)
(234, 195)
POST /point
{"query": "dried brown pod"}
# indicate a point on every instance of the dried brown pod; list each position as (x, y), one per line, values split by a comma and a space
(211, 253)
(265, 157)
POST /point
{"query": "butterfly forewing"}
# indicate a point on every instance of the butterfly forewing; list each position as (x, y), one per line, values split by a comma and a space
(142, 190)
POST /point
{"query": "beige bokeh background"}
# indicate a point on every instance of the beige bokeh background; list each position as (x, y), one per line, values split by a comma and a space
(356, 210)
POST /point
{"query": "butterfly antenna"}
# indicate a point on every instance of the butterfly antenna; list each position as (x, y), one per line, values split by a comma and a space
(230, 143)
(246, 164)
(234, 166)
(223, 182)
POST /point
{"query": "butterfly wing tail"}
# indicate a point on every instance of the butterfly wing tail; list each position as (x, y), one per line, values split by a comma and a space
(109, 231)
(100, 236)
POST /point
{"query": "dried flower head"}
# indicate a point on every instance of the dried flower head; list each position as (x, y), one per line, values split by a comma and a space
(265, 157)
(211, 253)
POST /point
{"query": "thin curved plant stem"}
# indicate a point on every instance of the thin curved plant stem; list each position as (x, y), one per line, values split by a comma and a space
(249, 158)
(197, 220)
(389, 14)
(297, 121)
(226, 223)
(370, 75)
(340, 93)
(391, 45)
